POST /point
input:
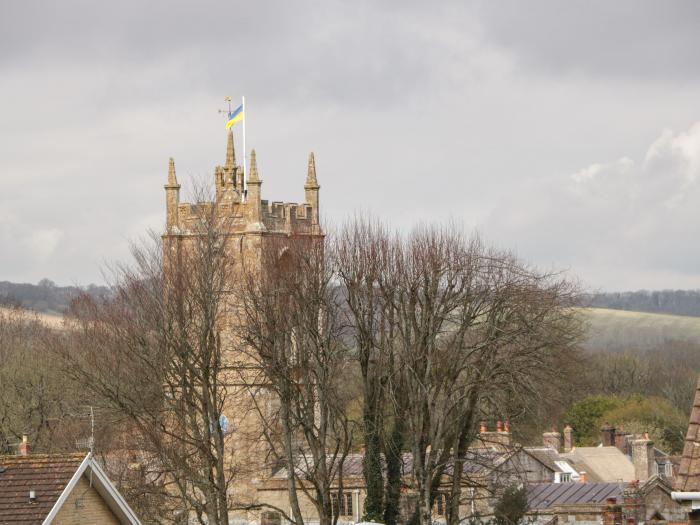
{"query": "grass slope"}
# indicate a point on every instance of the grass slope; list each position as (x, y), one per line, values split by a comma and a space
(619, 329)
(50, 320)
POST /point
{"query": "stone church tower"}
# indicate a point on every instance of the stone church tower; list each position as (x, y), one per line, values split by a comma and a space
(250, 222)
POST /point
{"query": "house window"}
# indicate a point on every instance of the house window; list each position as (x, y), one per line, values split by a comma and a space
(565, 477)
(440, 506)
(664, 469)
(342, 506)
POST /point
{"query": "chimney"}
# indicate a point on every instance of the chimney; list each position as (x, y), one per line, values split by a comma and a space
(612, 513)
(583, 478)
(621, 440)
(568, 438)
(643, 457)
(552, 439)
(24, 445)
(632, 502)
(500, 436)
(607, 435)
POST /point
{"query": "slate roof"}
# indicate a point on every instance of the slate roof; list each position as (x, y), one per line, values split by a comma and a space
(688, 479)
(46, 475)
(476, 461)
(543, 496)
(602, 464)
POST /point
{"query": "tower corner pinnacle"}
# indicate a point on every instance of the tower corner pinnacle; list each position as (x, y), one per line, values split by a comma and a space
(311, 181)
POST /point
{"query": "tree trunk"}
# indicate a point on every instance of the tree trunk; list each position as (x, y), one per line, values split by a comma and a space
(372, 466)
(394, 471)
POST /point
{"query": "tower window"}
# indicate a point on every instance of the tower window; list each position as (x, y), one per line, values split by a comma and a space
(342, 506)
(440, 505)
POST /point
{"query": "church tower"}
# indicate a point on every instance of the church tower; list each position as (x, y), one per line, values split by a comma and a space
(250, 221)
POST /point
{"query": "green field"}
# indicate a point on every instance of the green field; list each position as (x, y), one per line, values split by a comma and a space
(619, 329)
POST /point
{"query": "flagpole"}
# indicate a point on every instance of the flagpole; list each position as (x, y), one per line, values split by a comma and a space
(245, 179)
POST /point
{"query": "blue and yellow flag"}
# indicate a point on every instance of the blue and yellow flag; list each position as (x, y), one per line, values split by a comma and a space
(235, 116)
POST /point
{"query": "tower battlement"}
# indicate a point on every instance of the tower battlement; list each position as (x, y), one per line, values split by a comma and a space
(246, 213)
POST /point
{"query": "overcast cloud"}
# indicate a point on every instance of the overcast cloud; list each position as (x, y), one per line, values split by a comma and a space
(567, 131)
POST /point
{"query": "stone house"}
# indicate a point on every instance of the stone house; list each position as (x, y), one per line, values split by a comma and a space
(59, 489)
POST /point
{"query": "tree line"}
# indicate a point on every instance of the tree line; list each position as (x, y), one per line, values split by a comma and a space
(45, 296)
(676, 302)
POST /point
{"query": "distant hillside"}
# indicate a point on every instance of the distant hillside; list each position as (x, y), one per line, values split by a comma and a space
(617, 330)
(50, 320)
(676, 302)
(45, 296)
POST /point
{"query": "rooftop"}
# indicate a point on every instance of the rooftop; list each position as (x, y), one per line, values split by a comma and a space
(688, 479)
(547, 495)
(44, 474)
(602, 464)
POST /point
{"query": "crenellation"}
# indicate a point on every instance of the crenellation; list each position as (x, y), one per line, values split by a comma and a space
(252, 215)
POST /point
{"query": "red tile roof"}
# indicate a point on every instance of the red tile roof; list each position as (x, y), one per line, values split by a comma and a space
(47, 475)
(688, 479)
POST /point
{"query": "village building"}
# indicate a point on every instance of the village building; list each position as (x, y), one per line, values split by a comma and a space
(580, 486)
(687, 486)
(59, 489)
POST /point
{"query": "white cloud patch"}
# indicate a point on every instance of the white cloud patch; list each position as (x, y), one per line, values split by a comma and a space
(611, 222)
(43, 243)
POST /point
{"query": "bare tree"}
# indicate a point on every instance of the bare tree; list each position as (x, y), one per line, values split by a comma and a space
(155, 356)
(34, 398)
(291, 327)
(457, 329)
(365, 256)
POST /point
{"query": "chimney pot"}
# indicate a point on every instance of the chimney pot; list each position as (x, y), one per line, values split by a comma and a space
(499, 426)
(482, 427)
(24, 445)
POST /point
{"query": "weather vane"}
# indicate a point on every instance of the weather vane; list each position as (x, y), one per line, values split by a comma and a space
(224, 111)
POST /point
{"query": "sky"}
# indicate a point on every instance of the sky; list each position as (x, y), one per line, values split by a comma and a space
(567, 132)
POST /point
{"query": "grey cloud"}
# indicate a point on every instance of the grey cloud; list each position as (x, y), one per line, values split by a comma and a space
(416, 111)
(645, 39)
